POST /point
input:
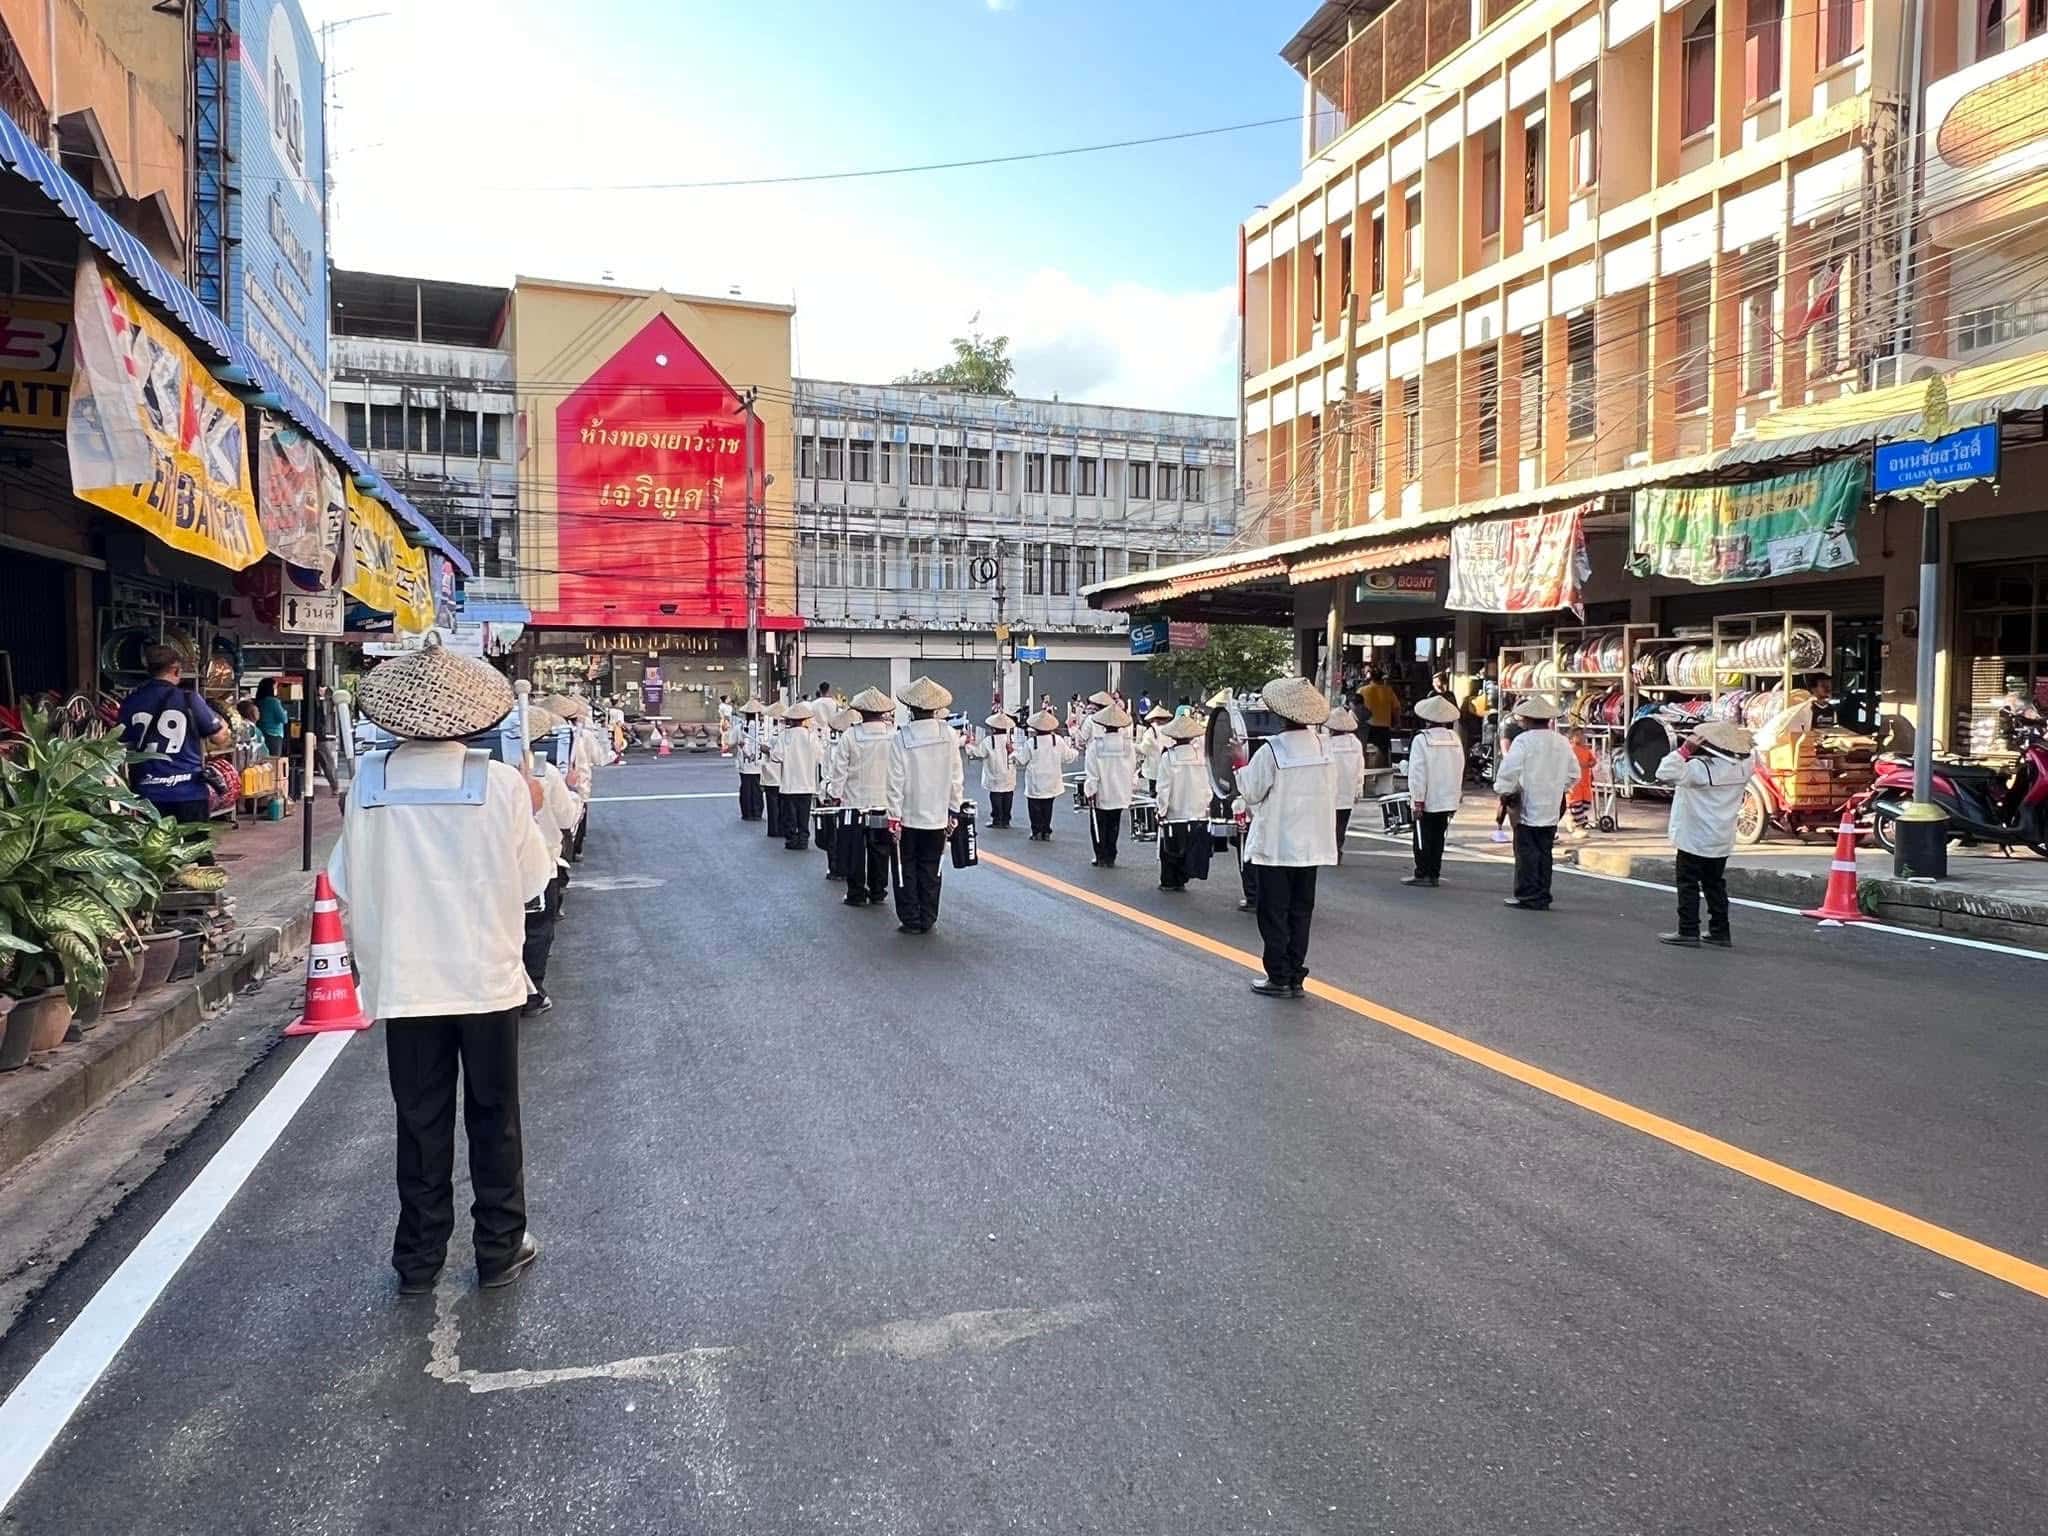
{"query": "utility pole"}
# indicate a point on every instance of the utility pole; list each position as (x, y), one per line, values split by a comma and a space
(1003, 646)
(753, 549)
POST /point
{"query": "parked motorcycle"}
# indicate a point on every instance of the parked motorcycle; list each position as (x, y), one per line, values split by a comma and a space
(1983, 804)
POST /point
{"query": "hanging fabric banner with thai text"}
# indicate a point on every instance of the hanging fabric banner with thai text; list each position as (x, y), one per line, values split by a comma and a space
(1712, 534)
(1520, 564)
(299, 498)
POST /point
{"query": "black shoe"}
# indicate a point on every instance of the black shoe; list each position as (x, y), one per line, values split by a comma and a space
(1266, 987)
(1098, 864)
(1720, 940)
(522, 1261)
(852, 902)
(1526, 906)
(1423, 881)
(1297, 990)
(419, 1285)
(1680, 940)
(1246, 906)
(537, 1004)
(906, 928)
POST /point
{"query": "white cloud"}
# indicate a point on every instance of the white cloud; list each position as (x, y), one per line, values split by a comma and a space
(1002, 5)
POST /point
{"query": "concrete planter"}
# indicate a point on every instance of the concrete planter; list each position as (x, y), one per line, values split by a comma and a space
(159, 954)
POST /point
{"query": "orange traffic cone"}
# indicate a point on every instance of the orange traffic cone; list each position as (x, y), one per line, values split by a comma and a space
(331, 1001)
(1839, 905)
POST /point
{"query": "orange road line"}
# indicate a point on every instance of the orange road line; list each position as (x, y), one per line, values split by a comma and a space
(1968, 1252)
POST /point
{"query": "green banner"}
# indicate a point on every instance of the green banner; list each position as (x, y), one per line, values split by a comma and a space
(1712, 534)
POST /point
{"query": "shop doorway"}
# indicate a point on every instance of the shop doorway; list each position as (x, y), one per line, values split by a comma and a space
(2001, 646)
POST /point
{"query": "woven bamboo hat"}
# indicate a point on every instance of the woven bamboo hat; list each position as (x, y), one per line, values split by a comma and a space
(1102, 699)
(567, 706)
(1111, 717)
(797, 711)
(1534, 708)
(1182, 728)
(752, 707)
(1342, 720)
(999, 721)
(1296, 699)
(1222, 697)
(432, 694)
(872, 701)
(1045, 721)
(926, 694)
(846, 719)
(1436, 709)
(1156, 714)
(1725, 737)
(540, 722)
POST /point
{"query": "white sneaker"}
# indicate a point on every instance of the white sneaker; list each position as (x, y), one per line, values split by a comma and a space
(1500, 835)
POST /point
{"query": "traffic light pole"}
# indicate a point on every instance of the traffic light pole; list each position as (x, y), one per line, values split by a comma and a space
(753, 554)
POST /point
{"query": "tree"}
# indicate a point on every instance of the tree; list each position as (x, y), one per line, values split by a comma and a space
(981, 365)
(1238, 657)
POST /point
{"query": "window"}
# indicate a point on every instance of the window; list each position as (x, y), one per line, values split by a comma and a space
(1062, 476)
(1841, 30)
(1191, 483)
(1535, 169)
(885, 463)
(892, 572)
(1114, 563)
(1759, 328)
(977, 469)
(860, 561)
(1344, 260)
(1002, 471)
(2037, 17)
(1411, 429)
(920, 565)
(1168, 479)
(357, 418)
(1581, 404)
(489, 443)
(1585, 145)
(807, 457)
(1084, 566)
(458, 433)
(1379, 252)
(831, 458)
(1990, 27)
(1824, 316)
(1316, 281)
(1371, 430)
(1690, 368)
(1412, 238)
(1696, 112)
(1488, 385)
(828, 560)
(1763, 49)
(1034, 570)
(1532, 392)
(1141, 560)
(1058, 554)
(949, 566)
(949, 466)
(860, 461)
(1087, 476)
(1489, 184)
(387, 428)
(920, 463)
(807, 561)
(1034, 472)
(1141, 481)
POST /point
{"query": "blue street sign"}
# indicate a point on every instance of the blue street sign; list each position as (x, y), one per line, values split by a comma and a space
(1030, 655)
(1148, 637)
(1904, 467)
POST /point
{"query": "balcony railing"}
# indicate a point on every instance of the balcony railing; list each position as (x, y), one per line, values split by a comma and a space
(1386, 56)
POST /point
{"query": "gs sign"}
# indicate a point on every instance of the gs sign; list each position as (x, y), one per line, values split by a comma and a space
(1149, 637)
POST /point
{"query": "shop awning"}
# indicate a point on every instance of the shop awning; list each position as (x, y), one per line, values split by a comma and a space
(1853, 421)
(22, 155)
(1380, 557)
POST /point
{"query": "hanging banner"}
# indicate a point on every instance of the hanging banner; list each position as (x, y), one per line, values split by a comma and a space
(1712, 534)
(412, 588)
(152, 436)
(299, 498)
(35, 364)
(374, 542)
(1520, 564)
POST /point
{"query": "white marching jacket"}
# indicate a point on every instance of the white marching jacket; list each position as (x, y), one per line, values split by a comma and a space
(1044, 760)
(860, 766)
(1290, 788)
(1540, 766)
(1184, 783)
(926, 779)
(1436, 769)
(1109, 769)
(749, 747)
(1348, 753)
(771, 760)
(998, 758)
(796, 756)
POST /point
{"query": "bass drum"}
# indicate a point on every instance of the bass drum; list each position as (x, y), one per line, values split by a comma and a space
(1649, 741)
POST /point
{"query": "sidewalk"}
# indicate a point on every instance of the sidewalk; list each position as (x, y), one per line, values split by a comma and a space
(1987, 895)
(272, 901)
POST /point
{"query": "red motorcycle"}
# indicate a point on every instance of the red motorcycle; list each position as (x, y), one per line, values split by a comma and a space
(1983, 804)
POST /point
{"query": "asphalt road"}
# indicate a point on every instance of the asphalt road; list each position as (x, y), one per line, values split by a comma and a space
(1044, 1223)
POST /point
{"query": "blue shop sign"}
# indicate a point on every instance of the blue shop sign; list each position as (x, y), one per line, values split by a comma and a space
(1149, 637)
(1955, 459)
(1030, 655)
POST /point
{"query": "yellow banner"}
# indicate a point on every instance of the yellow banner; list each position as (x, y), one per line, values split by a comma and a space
(413, 612)
(152, 436)
(35, 364)
(374, 538)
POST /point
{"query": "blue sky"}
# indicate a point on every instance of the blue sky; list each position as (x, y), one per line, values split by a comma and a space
(1113, 273)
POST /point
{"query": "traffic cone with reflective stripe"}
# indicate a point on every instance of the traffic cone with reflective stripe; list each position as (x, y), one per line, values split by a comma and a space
(1839, 905)
(331, 1001)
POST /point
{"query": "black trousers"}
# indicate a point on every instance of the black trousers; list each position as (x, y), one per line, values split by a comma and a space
(829, 839)
(1248, 877)
(1173, 852)
(1041, 814)
(773, 794)
(1287, 906)
(865, 854)
(1532, 863)
(1107, 825)
(750, 797)
(1430, 828)
(423, 1056)
(1000, 802)
(1343, 826)
(917, 894)
(796, 821)
(1696, 874)
(540, 934)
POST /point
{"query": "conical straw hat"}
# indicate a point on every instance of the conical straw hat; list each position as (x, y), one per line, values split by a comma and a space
(1296, 699)
(432, 694)
(926, 694)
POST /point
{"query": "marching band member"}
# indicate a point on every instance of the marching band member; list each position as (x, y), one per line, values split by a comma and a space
(1348, 753)
(832, 793)
(1152, 746)
(557, 816)
(1183, 801)
(926, 785)
(1536, 772)
(861, 770)
(1085, 731)
(747, 747)
(770, 727)
(1290, 787)
(1436, 783)
(997, 754)
(1109, 772)
(795, 755)
(1044, 757)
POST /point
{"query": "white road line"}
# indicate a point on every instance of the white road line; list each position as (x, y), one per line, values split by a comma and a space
(707, 794)
(1989, 946)
(36, 1412)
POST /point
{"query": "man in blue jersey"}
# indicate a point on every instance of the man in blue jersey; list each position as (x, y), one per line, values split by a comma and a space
(172, 723)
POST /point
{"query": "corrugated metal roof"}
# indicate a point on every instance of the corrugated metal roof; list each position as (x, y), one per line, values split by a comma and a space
(1380, 557)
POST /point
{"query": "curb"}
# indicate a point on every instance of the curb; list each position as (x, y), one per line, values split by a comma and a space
(1938, 908)
(91, 1071)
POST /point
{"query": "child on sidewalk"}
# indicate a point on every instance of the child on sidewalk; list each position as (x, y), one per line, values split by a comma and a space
(1579, 799)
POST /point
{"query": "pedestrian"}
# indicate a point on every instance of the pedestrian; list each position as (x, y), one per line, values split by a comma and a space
(1183, 805)
(860, 770)
(1290, 788)
(438, 857)
(727, 736)
(272, 718)
(795, 756)
(1084, 730)
(997, 754)
(585, 753)
(1709, 775)
(1152, 746)
(1379, 704)
(556, 816)
(1436, 782)
(1535, 775)
(172, 726)
(1349, 755)
(926, 786)
(1109, 771)
(1044, 758)
(771, 768)
(747, 746)
(1578, 799)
